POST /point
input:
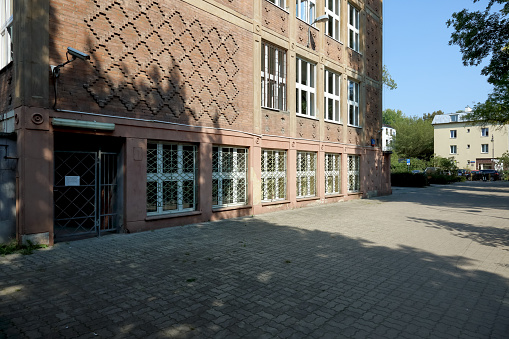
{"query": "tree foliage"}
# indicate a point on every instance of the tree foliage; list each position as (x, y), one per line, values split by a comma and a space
(485, 35)
(430, 116)
(414, 138)
(391, 116)
(387, 80)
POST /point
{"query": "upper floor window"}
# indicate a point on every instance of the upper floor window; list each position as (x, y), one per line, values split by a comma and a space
(306, 10)
(485, 132)
(353, 103)
(280, 3)
(454, 118)
(273, 77)
(353, 27)
(332, 28)
(305, 88)
(6, 7)
(332, 97)
(454, 134)
(453, 149)
(484, 148)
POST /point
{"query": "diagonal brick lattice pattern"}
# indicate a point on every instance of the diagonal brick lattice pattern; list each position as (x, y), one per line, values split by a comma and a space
(143, 52)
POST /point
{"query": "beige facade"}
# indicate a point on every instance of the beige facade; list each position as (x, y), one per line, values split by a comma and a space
(473, 147)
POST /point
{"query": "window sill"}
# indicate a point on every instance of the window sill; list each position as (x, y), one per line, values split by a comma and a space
(354, 193)
(275, 110)
(284, 9)
(276, 202)
(338, 41)
(333, 122)
(307, 198)
(354, 126)
(353, 50)
(306, 116)
(334, 195)
(171, 215)
(230, 208)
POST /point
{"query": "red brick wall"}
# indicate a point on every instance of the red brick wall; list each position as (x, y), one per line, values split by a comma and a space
(275, 18)
(154, 59)
(6, 89)
(333, 49)
(244, 7)
(275, 123)
(373, 49)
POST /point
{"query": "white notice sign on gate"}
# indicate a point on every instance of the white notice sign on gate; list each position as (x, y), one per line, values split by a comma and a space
(72, 180)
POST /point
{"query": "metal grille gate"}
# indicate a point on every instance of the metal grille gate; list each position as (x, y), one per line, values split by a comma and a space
(84, 193)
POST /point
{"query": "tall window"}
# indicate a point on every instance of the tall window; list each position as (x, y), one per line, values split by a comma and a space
(332, 173)
(454, 134)
(229, 176)
(484, 148)
(453, 149)
(306, 174)
(171, 178)
(485, 132)
(280, 3)
(6, 7)
(353, 103)
(332, 97)
(332, 28)
(353, 27)
(306, 10)
(273, 77)
(305, 88)
(354, 173)
(273, 175)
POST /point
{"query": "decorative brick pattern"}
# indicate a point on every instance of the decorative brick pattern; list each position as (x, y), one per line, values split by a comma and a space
(307, 128)
(376, 6)
(302, 35)
(354, 135)
(6, 89)
(333, 49)
(333, 132)
(144, 52)
(373, 113)
(275, 19)
(354, 60)
(244, 7)
(275, 123)
(373, 49)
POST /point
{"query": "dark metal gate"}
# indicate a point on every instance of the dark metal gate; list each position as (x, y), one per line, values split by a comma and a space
(84, 193)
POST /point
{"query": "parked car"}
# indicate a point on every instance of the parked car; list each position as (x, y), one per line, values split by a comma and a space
(475, 175)
(463, 172)
(490, 175)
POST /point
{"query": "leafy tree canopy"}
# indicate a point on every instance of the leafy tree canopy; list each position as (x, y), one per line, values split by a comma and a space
(387, 80)
(485, 35)
(414, 138)
(391, 116)
(430, 116)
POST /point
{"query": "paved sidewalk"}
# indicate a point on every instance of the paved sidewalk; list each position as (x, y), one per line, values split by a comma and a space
(422, 263)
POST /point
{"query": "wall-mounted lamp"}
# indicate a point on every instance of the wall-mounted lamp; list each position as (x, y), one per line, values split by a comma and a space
(321, 18)
(55, 70)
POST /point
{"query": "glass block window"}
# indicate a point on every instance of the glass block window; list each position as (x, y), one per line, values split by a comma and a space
(332, 173)
(306, 174)
(353, 27)
(229, 176)
(332, 28)
(354, 173)
(273, 77)
(6, 16)
(305, 88)
(273, 175)
(353, 103)
(171, 178)
(306, 10)
(332, 97)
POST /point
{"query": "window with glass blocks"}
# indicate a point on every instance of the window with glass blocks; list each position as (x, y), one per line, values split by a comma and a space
(171, 178)
(273, 77)
(354, 184)
(229, 176)
(273, 166)
(305, 88)
(332, 173)
(332, 28)
(332, 96)
(306, 174)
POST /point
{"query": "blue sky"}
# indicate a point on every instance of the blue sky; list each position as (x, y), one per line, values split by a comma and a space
(429, 73)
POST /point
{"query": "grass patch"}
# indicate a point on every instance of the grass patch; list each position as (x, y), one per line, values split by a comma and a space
(13, 247)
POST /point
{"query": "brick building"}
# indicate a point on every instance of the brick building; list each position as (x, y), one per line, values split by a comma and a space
(188, 110)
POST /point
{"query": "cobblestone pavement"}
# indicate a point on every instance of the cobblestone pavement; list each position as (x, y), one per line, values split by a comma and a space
(422, 263)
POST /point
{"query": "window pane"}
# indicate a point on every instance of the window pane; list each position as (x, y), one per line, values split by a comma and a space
(170, 192)
(152, 196)
(304, 73)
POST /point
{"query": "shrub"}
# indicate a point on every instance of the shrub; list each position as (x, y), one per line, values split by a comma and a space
(405, 179)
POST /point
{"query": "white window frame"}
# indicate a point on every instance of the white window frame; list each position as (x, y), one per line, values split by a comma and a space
(353, 103)
(485, 148)
(236, 172)
(353, 28)
(333, 26)
(6, 18)
(454, 118)
(306, 10)
(279, 3)
(277, 173)
(305, 87)
(306, 174)
(332, 173)
(354, 170)
(485, 132)
(453, 149)
(180, 176)
(453, 134)
(332, 96)
(273, 77)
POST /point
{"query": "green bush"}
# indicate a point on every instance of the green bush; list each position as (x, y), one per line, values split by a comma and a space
(405, 179)
(443, 179)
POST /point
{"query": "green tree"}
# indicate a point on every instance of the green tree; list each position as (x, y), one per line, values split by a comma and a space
(485, 35)
(391, 116)
(387, 80)
(430, 116)
(414, 138)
